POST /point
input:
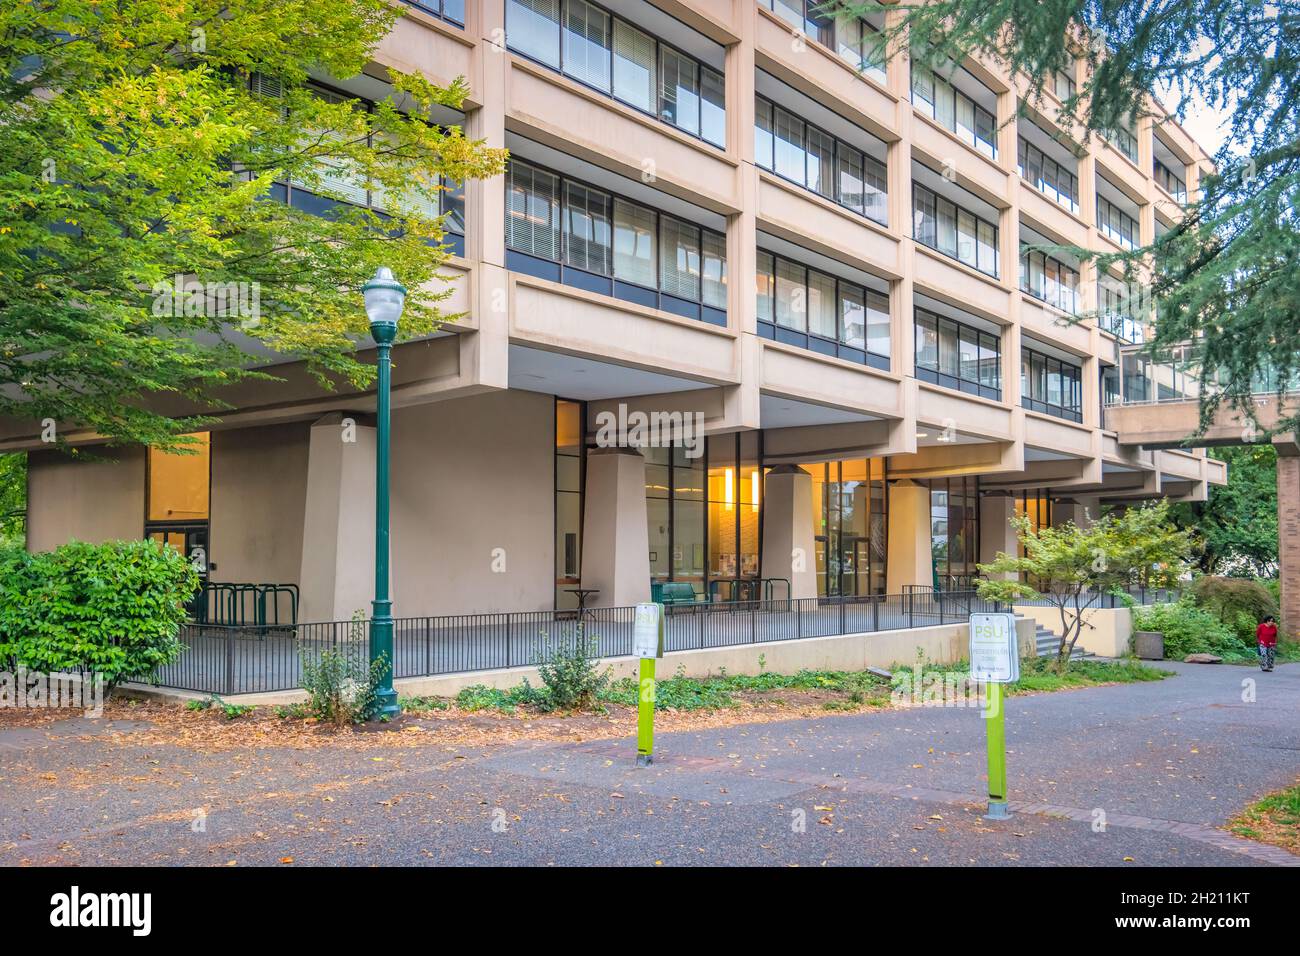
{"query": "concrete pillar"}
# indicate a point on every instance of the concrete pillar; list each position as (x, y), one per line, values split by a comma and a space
(910, 559)
(996, 534)
(1288, 537)
(615, 537)
(789, 546)
(337, 574)
(1082, 511)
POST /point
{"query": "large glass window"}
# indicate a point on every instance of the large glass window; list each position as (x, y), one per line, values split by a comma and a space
(850, 530)
(1115, 313)
(943, 225)
(1124, 140)
(607, 53)
(934, 95)
(856, 41)
(1047, 175)
(957, 355)
(954, 531)
(1047, 278)
(1170, 181)
(1116, 224)
(1050, 385)
(570, 232)
(818, 311)
(735, 497)
(818, 161)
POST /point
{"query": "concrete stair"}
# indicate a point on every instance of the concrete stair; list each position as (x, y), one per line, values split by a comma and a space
(1048, 641)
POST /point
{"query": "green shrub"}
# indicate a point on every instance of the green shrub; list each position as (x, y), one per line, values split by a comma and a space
(111, 609)
(1189, 629)
(1240, 603)
(571, 673)
(340, 687)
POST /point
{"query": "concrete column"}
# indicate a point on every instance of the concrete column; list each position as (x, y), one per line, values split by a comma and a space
(1288, 537)
(909, 559)
(615, 537)
(789, 547)
(337, 574)
(1066, 511)
(996, 534)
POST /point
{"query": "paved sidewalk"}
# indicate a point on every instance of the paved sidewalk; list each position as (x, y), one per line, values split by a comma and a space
(1161, 765)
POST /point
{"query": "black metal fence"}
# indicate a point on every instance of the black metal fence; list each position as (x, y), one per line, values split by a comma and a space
(242, 660)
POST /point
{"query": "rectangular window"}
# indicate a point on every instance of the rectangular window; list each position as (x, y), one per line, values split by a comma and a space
(878, 336)
(934, 95)
(789, 146)
(715, 269)
(956, 355)
(766, 287)
(1048, 176)
(679, 91)
(713, 107)
(634, 67)
(853, 315)
(634, 244)
(587, 229)
(849, 164)
(533, 29)
(533, 216)
(819, 161)
(587, 44)
(791, 296)
(941, 224)
(763, 134)
(1050, 385)
(679, 258)
(822, 305)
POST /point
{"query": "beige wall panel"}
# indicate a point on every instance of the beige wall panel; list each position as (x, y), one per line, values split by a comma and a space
(1055, 434)
(559, 318)
(259, 492)
(975, 171)
(471, 475)
(441, 53)
(943, 278)
(821, 226)
(92, 501)
(800, 374)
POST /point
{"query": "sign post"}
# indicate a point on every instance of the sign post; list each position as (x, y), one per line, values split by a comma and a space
(994, 662)
(648, 645)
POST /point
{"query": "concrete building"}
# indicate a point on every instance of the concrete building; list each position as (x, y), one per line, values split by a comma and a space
(716, 211)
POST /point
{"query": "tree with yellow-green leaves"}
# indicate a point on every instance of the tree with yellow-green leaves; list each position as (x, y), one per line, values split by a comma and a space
(140, 154)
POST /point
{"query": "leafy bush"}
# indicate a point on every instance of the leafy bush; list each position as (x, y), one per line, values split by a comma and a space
(340, 688)
(1189, 629)
(482, 697)
(571, 673)
(1240, 603)
(111, 609)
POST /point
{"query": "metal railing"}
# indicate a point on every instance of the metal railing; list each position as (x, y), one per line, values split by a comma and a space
(231, 660)
(1138, 594)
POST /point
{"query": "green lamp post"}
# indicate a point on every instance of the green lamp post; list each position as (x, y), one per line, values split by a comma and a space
(385, 297)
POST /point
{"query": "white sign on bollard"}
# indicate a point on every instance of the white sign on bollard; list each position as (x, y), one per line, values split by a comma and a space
(994, 649)
(648, 631)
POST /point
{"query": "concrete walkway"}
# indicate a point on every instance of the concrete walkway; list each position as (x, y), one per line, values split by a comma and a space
(1126, 775)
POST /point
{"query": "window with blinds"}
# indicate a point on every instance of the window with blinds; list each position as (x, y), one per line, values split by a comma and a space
(634, 243)
(533, 214)
(587, 44)
(533, 29)
(587, 239)
(635, 72)
(679, 258)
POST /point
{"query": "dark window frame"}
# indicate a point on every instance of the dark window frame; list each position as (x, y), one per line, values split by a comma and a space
(813, 341)
(917, 190)
(559, 269)
(881, 174)
(936, 375)
(1024, 158)
(1070, 412)
(1026, 278)
(438, 8)
(659, 46)
(989, 147)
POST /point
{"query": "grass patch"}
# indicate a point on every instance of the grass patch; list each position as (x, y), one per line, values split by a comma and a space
(1274, 820)
(847, 690)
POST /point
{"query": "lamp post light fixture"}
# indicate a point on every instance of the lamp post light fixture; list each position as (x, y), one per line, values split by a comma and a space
(384, 297)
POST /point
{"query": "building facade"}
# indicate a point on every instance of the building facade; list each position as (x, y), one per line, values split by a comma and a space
(734, 222)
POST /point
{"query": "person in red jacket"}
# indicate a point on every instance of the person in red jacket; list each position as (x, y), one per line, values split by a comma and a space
(1266, 635)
